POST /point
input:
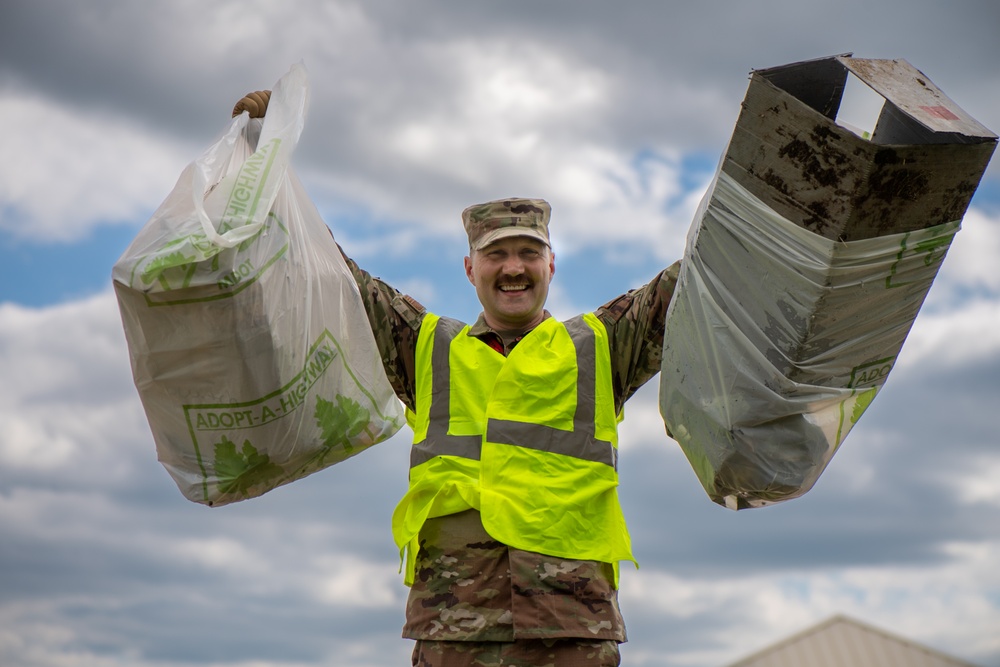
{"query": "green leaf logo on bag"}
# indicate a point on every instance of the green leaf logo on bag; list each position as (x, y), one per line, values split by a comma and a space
(174, 265)
(240, 471)
(341, 422)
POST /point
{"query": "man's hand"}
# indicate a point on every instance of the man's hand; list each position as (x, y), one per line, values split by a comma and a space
(255, 103)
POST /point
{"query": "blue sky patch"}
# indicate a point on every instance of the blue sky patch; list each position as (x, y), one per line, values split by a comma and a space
(33, 274)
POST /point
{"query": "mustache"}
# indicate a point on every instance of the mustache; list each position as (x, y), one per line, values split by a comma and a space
(514, 280)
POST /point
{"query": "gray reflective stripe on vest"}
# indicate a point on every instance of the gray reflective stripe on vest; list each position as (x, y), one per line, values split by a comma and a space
(438, 442)
(580, 443)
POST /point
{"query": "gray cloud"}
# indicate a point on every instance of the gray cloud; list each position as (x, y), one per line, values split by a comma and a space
(677, 73)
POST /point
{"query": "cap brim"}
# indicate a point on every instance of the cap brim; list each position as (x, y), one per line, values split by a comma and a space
(506, 232)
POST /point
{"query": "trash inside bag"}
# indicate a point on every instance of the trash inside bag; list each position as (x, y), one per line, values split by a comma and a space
(778, 339)
(249, 343)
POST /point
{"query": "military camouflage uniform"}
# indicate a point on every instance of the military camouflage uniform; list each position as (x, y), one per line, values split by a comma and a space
(523, 653)
(472, 589)
(473, 596)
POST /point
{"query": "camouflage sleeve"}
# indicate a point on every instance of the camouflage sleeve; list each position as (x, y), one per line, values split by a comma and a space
(635, 328)
(395, 320)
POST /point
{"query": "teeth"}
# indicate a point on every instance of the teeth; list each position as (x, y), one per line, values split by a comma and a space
(512, 288)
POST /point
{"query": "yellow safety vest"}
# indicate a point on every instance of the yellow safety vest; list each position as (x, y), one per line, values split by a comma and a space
(530, 440)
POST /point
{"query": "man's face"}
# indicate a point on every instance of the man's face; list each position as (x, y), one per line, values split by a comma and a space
(512, 278)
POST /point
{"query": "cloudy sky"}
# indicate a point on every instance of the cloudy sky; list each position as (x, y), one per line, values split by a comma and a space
(617, 113)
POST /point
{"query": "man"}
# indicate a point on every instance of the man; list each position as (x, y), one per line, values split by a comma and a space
(511, 528)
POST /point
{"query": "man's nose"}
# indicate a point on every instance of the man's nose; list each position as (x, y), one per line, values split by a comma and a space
(513, 265)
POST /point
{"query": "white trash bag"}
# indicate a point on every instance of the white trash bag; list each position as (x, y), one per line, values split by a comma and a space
(249, 342)
(777, 340)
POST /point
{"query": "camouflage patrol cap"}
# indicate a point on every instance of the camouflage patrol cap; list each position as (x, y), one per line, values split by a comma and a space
(486, 223)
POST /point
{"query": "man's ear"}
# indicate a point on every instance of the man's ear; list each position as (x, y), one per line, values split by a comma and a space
(468, 270)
